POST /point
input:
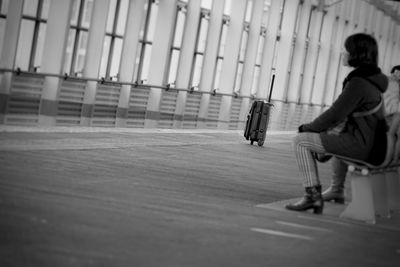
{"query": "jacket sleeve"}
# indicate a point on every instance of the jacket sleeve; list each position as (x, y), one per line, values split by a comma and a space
(347, 102)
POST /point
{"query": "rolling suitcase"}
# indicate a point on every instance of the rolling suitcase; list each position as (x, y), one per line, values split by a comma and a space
(257, 120)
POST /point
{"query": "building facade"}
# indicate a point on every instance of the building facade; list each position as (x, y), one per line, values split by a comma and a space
(180, 64)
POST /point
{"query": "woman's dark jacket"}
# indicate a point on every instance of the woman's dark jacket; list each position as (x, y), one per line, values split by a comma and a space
(363, 137)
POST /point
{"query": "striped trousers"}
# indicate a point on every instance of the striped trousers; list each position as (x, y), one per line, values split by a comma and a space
(305, 144)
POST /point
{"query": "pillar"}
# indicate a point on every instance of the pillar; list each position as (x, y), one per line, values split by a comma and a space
(285, 43)
(186, 58)
(94, 51)
(129, 51)
(231, 56)
(300, 50)
(9, 50)
(269, 48)
(250, 58)
(53, 58)
(328, 32)
(210, 56)
(160, 58)
(307, 92)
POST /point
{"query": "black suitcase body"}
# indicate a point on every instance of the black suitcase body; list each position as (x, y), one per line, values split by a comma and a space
(257, 122)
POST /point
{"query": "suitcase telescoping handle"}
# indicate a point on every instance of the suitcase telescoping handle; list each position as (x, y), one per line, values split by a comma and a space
(270, 90)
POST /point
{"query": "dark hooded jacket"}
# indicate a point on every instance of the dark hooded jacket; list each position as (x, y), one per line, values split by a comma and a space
(362, 137)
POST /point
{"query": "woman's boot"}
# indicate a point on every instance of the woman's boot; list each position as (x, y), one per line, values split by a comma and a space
(311, 200)
(334, 193)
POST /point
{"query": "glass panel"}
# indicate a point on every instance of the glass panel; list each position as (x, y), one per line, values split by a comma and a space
(198, 65)
(152, 22)
(243, 46)
(223, 40)
(111, 16)
(116, 58)
(217, 73)
(249, 10)
(87, 13)
(40, 46)
(122, 16)
(203, 35)
(180, 25)
(4, 6)
(24, 44)
(81, 52)
(206, 4)
(30, 8)
(173, 66)
(104, 58)
(146, 64)
(260, 49)
(45, 9)
(137, 61)
(75, 12)
(256, 78)
(69, 50)
(239, 76)
(2, 31)
(227, 8)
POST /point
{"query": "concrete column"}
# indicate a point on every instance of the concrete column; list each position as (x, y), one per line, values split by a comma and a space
(129, 50)
(300, 53)
(388, 46)
(395, 56)
(250, 58)
(210, 57)
(9, 50)
(53, 58)
(269, 48)
(362, 19)
(347, 30)
(186, 57)
(334, 63)
(231, 56)
(328, 34)
(310, 69)
(160, 58)
(94, 52)
(288, 23)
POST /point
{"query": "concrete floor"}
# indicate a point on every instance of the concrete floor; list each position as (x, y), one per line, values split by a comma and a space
(140, 197)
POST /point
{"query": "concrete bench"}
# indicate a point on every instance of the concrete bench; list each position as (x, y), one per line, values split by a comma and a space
(375, 189)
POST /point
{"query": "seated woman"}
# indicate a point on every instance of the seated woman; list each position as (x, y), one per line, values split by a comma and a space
(362, 93)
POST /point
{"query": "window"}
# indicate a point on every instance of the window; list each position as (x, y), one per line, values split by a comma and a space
(177, 42)
(221, 51)
(146, 40)
(3, 16)
(257, 67)
(77, 38)
(243, 48)
(200, 48)
(32, 33)
(117, 15)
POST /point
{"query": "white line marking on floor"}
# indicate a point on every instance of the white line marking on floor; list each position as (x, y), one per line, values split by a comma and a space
(303, 226)
(279, 233)
(323, 220)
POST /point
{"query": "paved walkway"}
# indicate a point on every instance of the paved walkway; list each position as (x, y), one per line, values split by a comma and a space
(153, 197)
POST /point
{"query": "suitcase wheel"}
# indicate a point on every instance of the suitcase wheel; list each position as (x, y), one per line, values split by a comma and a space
(251, 142)
(260, 142)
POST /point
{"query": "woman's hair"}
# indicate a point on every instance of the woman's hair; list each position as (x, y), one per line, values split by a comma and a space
(362, 49)
(395, 68)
